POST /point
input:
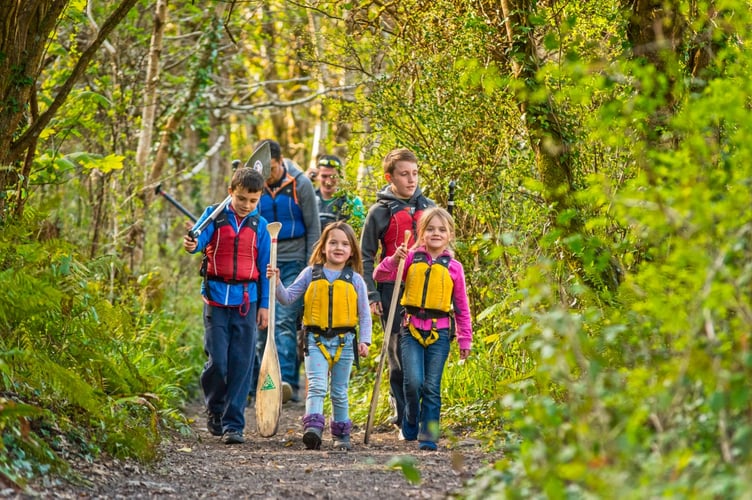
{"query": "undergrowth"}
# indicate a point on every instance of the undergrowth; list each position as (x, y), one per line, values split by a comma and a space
(87, 363)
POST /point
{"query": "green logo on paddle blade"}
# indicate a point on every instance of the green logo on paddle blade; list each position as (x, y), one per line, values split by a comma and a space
(268, 384)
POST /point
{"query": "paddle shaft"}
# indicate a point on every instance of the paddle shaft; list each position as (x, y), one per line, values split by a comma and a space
(385, 345)
(269, 388)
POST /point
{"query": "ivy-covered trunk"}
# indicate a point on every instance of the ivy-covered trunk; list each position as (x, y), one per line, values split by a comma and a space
(25, 28)
(551, 134)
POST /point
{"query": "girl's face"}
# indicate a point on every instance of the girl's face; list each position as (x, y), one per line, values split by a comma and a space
(436, 237)
(337, 250)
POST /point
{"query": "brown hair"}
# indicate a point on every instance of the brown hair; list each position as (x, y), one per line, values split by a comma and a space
(247, 178)
(318, 256)
(395, 155)
(426, 217)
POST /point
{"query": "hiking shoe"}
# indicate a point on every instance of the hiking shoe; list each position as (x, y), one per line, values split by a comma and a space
(341, 442)
(312, 438)
(427, 446)
(214, 423)
(295, 398)
(233, 437)
(286, 392)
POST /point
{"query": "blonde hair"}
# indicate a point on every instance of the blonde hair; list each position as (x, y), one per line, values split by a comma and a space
(318, 256)
(425, 218)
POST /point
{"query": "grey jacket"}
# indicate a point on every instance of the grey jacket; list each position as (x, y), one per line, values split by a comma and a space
(372, 244)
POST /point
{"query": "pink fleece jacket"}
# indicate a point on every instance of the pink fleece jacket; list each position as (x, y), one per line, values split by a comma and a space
(387, 270)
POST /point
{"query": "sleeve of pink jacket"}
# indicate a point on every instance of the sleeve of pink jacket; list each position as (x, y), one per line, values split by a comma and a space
(461, 306)
(387, 268)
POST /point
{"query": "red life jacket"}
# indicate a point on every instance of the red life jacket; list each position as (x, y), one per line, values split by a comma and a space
(231, 256)
(403, 218)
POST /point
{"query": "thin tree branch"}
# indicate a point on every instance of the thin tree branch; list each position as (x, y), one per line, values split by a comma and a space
(32, 133)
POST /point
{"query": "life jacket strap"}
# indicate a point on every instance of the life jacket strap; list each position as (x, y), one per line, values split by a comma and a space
(427, 313)
(424, 338)
(327, 355)
(230, 281)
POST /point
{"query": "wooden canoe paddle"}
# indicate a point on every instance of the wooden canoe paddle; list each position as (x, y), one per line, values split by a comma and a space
(385, 344)
(269, 389)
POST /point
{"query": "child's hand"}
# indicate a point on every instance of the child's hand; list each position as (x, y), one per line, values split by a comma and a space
(262, 318)
(464, 353)
(272, 272)
(376, 308)
(363, 349)
(401, 252)
(189, 243)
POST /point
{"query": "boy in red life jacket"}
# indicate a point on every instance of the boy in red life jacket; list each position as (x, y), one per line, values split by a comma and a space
(397, 209)
(236, 301)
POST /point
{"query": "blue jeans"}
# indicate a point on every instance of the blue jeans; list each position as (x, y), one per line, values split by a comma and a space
(285, 331)
(422, 369)
(230, 344)
(317, 371)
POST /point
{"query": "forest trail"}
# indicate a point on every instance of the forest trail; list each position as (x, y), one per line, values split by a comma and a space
(199, 466)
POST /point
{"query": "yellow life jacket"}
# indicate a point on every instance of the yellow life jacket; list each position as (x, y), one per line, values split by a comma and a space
(330, 307)
(428, 287)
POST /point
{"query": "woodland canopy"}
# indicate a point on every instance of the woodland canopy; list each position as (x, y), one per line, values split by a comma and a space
(603, 162)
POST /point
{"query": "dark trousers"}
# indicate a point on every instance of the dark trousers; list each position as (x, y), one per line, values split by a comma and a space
(394, 359)
(230, 344)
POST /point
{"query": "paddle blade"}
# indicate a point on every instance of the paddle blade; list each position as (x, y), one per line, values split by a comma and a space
(269, 392)
(261, 160)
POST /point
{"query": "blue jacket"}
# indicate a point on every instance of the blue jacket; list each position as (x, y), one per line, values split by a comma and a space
(293, 203)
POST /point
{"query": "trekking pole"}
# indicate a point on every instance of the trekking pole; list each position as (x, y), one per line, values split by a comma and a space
(385, 344)
(450, 200)
(175, 203)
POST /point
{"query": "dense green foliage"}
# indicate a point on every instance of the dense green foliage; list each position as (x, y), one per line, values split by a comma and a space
(89, 361)
(603, 198)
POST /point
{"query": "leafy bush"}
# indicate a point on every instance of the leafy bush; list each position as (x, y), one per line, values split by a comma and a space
(85, 356)
(647, 395)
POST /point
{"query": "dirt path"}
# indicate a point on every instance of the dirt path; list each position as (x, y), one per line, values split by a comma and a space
(199, 466)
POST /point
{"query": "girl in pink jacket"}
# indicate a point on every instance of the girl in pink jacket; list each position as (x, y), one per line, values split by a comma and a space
(436, 310)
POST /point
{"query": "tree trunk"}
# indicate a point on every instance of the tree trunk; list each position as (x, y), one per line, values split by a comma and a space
(656, 31)
(134, 244)
(26, 27)
(152, 84)
(549, 137)
(542, 120)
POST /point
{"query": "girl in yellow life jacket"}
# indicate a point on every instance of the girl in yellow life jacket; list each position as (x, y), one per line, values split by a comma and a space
(335, 306)
(435, 300)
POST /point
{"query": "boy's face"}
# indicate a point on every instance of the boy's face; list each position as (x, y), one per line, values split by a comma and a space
(243, 201)
(404, 179)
